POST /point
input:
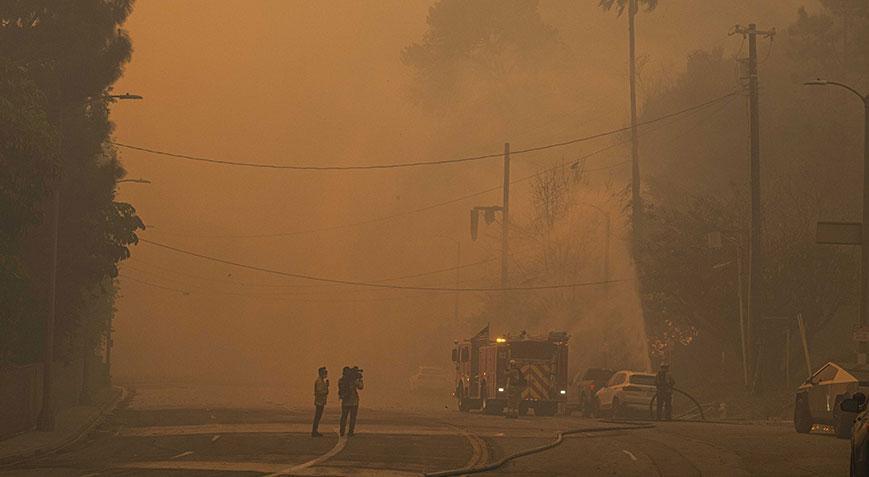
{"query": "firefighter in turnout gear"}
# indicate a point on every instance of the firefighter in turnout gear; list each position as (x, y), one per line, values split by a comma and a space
(664, 383)
(516, 384)
(321, 392)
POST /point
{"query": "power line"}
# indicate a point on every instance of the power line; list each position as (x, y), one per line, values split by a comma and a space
(415, 163)
(286, 297)
(420, 209)
(305, 167)
(279, 286)
(143, 282)
(370, 284)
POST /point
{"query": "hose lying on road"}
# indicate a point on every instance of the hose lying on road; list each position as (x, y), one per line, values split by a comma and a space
(559, 438)
(697, 404)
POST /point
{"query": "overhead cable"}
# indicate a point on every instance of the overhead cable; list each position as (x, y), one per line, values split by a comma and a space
(420, 209)
(155, 285)
(416, 163)
(371, 284)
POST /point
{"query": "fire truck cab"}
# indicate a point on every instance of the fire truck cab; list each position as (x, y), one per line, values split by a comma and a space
(481, 367)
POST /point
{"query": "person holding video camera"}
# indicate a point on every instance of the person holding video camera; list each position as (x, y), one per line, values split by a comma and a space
(348, 391)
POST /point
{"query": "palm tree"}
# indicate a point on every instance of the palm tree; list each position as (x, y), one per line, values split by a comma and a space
(633, 6)
(621, 4)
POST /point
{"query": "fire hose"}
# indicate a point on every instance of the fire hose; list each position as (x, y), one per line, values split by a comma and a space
(696, 403)
(559, 438)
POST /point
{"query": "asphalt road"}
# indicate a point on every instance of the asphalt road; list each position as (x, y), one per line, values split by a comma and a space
(158, 434)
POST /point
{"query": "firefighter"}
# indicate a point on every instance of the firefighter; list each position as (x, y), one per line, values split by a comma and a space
(664, 384)
(348, 390)
(321, 392)
(515, 387)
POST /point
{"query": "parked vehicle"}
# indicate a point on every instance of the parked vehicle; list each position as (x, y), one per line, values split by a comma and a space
(626, 391)
(859, 434)
(582, 390)
(818, 400)
(429, 378)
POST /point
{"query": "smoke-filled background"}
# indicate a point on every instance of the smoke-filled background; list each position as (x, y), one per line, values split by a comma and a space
(358, 83)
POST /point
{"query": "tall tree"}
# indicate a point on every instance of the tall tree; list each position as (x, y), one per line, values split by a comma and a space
(72, 51)
(492, 56)
(699, 186)
(28, 161)
(633, 7)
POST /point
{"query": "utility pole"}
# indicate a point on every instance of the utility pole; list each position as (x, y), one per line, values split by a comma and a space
(505, 234)
(714, 240)
(740, 299)
(489, 215)
(45, 421)
(505, 219)
(606, 253)
(755, 261)
(636, 201)
(458, 280)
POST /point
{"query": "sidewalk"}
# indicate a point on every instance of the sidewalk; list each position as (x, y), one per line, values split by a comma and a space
(71, 425)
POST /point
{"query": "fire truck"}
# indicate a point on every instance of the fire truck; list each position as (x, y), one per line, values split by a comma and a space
(481, 366)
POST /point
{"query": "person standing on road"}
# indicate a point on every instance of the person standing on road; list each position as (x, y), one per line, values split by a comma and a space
(321, 392)
(664, 384)
(348, 390)
(515, 387)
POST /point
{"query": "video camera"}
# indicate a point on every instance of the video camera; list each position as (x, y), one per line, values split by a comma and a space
(354, 373)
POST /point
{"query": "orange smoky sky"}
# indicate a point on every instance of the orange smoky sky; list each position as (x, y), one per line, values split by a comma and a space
(303, 82)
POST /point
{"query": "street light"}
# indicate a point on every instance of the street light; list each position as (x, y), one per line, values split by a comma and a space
(45, 421)
(136, 181)
(864, 242)
(115, 97)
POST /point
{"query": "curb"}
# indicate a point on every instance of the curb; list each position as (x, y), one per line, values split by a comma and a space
(76, 436)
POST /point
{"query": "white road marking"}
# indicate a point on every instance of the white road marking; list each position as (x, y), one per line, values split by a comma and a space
(631, 455)
(183, 454)
(339, 446)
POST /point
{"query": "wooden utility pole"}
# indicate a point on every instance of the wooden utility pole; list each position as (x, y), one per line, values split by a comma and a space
(458, 280)
(755, 261)
(45, 421)
(505, 219)
(636, 202)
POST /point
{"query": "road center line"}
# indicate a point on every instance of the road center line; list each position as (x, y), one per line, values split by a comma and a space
(630, 454)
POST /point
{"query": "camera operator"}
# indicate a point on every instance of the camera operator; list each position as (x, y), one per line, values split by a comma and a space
(348, 390)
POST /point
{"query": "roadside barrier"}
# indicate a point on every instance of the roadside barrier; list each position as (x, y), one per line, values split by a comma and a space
(559, 438)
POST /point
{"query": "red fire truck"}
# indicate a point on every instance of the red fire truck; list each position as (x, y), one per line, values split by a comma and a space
(481, 364)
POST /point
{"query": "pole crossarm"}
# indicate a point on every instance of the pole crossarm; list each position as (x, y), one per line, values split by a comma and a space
(745, 31)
